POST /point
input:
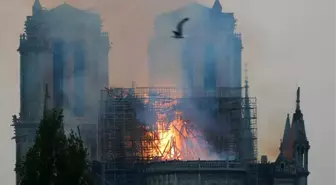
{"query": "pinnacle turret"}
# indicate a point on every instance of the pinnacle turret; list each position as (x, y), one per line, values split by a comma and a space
(217, 6)
(298, 99)
(37, 7)
(287, 129)
(298, 114)
(286, 135)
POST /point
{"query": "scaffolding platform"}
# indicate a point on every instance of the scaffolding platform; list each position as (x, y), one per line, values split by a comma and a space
(131, 120)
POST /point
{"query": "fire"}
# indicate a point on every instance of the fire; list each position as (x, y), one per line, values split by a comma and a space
(173, 138)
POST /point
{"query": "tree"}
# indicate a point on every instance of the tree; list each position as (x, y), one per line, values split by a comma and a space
(55, 159)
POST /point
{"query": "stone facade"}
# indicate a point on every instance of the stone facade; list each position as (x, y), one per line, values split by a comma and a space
(195, 173)
(64, 49)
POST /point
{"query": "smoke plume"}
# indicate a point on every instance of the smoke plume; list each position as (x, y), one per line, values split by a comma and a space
(130, 25)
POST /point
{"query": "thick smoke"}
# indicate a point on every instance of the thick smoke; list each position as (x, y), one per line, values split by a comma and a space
(78, 58)
(130, 25)
(171, 62)
(80, 63)
(166, 67)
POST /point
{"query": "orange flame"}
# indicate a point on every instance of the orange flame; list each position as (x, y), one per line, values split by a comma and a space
(172, 140)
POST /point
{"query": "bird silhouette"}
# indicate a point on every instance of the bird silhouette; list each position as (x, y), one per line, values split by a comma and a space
(178, 34)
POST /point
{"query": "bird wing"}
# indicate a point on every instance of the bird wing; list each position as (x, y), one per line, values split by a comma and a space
(180, 24)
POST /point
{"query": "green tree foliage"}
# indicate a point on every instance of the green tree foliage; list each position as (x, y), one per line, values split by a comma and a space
(55, 159)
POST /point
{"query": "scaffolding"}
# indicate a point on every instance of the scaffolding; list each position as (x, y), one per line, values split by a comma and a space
(119, 130)
(249, 131)
(142, 124)
(132, 120)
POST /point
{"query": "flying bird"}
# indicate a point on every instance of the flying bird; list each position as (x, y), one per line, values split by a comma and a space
(178, 34)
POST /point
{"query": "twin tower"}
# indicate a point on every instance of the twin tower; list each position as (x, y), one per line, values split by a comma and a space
(63, 64)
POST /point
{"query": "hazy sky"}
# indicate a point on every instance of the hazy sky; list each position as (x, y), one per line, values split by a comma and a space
(286, 43)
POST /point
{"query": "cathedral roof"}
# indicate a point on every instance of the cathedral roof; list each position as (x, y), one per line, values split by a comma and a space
(37, 5)
(65, 21)
(217, 6)
(65, 15)
(67, 9)
(196, 8)
(200, 17)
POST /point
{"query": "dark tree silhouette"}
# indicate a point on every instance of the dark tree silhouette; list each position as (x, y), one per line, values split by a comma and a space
(55, 159)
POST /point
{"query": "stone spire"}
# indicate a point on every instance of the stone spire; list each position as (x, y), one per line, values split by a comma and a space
(300, 141)
(247, 111)
(286, 135)
(298, 99)
(287, 129)
(248, 133)
(298, 114)
(246, 80)
(246, 84)
(37, 7)
(217, 6)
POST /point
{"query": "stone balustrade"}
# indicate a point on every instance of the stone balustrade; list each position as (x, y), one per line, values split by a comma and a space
(200, 165)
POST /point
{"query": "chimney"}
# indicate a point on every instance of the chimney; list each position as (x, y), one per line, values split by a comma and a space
(264, 159)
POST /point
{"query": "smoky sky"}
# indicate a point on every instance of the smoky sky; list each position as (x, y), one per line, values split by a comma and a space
(286, 44)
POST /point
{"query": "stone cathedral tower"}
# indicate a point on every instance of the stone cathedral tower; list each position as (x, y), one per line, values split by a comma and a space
(202, 62)
(294, 149)
(65, 49)
(299, 143)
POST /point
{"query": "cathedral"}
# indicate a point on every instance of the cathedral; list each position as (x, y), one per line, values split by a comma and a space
(290, 167)
(64, 64)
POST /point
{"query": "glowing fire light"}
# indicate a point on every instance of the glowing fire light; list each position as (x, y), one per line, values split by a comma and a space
(173, 138)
